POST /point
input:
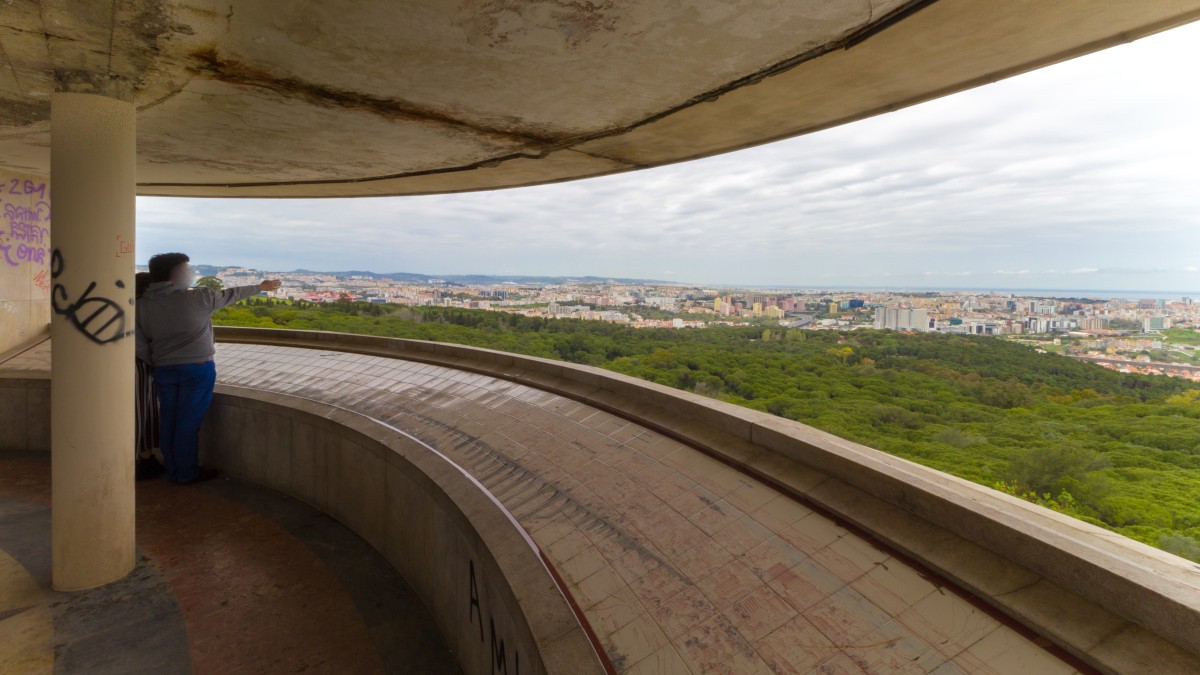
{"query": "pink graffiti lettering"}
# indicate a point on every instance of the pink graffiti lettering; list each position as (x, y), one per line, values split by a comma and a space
(27, 214)
(23, 222)
(123, 247)
(6, 249)
(41, 281)
(19, 231)
(14, 255)
(33, 254)
(16, 187)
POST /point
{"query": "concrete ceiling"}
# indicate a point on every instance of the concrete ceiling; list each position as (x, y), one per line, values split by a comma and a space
(388, 97)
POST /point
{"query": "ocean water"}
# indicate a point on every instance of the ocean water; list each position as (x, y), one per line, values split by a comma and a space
(1111, 294)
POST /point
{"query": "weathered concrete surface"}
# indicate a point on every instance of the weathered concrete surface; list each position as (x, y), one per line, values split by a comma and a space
(369, 97)
(231, 578)
(598, 468)
(606, 459)
(24, 258)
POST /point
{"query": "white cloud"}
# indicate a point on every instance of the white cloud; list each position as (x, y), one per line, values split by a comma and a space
(1086, 166)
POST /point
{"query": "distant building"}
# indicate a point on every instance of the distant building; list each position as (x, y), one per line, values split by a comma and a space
(897, 318)
(1155, 323)
(662, 301)
(1043, 324)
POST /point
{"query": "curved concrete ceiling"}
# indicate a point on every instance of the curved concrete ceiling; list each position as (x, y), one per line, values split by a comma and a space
(389, 97)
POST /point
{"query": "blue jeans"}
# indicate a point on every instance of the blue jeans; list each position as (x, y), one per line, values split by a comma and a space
(184, 393)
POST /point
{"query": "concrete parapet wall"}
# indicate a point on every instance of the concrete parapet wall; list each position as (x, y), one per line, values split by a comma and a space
(495, 601)
(1114, 603)
(25, 413)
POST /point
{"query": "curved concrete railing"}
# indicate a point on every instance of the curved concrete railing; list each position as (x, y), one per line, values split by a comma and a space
(1115, 604)
(498, 605)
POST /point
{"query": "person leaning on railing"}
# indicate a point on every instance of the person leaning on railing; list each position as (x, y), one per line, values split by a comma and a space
(174, 333)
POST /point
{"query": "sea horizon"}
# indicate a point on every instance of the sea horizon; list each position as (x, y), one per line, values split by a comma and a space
(1028, 292)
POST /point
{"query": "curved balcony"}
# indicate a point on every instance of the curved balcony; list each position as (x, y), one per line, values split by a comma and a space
(573, 520)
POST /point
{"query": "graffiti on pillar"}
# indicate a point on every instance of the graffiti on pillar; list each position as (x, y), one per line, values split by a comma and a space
(123, 247)
(100, 319)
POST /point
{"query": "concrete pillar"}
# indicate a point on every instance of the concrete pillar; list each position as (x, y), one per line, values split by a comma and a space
(92, 158)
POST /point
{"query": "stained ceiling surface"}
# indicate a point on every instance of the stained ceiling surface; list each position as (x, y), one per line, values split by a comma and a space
(375, 97)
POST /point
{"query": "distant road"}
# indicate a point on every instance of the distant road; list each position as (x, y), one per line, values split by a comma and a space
(1127, 362)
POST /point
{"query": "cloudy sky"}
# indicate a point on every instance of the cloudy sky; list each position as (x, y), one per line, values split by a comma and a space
(1084, 175)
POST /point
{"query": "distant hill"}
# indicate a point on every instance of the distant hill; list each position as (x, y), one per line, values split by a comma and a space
(485, 279)
(458, 279)
(201, 270)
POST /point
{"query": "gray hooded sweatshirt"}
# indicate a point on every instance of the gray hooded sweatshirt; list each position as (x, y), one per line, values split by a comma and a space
(175, 327)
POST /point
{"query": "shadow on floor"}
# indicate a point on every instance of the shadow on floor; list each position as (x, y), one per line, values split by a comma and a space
(231, 578)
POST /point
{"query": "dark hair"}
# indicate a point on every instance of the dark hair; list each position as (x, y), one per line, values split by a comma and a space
(141, 281)
(163, 264)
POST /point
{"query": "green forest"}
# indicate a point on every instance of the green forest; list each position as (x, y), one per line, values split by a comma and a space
(1117, 450)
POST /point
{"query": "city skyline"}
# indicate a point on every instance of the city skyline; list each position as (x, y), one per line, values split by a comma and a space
(1112, 332)
(1074, 177)
(567, 280)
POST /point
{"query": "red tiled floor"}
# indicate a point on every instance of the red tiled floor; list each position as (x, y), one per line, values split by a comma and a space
(26, 479)
(759, 613)
(253, 598)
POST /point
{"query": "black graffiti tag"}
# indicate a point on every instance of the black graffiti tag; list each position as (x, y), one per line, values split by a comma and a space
(100, 319)
(497, 656)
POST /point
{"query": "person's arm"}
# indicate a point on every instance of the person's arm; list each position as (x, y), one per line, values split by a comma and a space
(229, 296)
(141, 344)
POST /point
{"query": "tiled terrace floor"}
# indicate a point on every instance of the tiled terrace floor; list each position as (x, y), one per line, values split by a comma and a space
(681, 563)
(231, 578)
